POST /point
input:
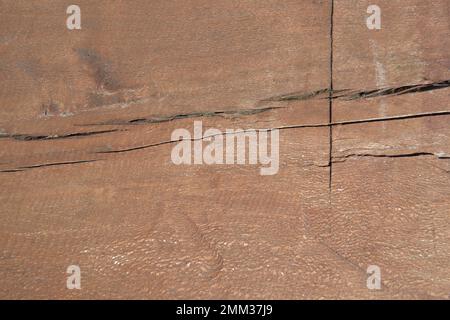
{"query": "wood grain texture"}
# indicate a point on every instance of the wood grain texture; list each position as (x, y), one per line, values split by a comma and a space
(85, 161)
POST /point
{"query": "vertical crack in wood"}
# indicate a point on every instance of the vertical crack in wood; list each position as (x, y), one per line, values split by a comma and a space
(330, 100)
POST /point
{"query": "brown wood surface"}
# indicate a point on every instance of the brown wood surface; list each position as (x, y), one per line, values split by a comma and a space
(364, 149)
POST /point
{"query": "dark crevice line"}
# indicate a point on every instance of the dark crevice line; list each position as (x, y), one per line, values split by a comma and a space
(399, 155)
(11, 170)
(344, 158)
(161, 119)
(299, 96)
(335, 159)
(191, 139)
(144, 146)
(368, 120)
(330, 99)
(396, 91)
(328, 93)
(394, 118)
(48, 165)
(348, 94)
(317, 125)
(27, 137)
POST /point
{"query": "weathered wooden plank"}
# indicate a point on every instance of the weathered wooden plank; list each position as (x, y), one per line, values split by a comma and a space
(390, 178)
(86, 125)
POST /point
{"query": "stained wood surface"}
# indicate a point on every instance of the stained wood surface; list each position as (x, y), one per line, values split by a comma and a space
(85, 180)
